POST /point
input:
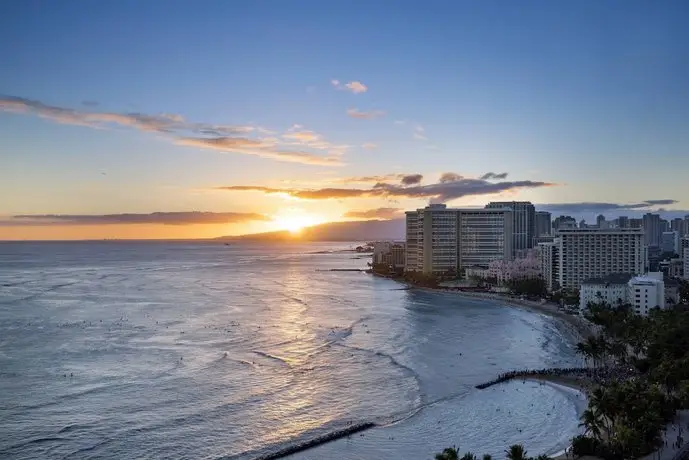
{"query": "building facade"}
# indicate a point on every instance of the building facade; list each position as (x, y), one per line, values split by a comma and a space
(643, 292)
(443, 241)
(611, 289)
(686, 264)
(523, 223)
(669, 242)
(646, 292)
(544, 224)
(652, 229)
(594, 253)
(550, 264)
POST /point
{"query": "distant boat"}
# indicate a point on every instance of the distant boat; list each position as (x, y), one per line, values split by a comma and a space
(227, 244)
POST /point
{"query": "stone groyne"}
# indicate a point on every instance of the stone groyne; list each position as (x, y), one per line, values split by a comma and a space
(333, 435)
(556, 371)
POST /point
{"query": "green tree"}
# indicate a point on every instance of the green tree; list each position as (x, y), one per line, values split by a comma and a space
(449, 453)
(516, 452)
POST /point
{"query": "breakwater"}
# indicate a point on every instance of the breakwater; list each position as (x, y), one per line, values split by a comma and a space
(556, 371)
(333, 435)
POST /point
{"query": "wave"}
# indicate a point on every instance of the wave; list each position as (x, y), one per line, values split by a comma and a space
(285, 361)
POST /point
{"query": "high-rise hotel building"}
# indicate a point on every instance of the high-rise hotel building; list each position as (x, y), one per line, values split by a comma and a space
(443, 240)
(579, 254)
(523, 224)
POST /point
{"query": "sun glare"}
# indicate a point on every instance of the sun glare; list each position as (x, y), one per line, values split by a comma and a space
(294, 220)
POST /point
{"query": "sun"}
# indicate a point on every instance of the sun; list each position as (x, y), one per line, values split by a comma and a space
(294, 220)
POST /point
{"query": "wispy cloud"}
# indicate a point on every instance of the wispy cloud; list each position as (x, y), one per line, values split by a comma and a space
(228, 138)
(361, 115)
(418, 133)
(441, 191)
(369, 146)
(299, 136)
(266, 148)
(374, 179)
(165, 218)
(355, 87)
(378, 213)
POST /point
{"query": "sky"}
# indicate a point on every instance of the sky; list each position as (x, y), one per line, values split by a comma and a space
(180, 119)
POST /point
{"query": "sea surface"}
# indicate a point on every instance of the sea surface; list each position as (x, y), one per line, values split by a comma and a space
(201, 350)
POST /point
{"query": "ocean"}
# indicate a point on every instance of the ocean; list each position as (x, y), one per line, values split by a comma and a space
(188, 350)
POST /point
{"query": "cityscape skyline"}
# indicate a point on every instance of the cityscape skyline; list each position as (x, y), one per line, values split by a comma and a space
(118, 122)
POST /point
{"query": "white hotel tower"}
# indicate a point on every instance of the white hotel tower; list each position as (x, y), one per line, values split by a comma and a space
(577, 255)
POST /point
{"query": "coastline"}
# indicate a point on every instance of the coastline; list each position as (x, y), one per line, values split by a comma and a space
(578, 329)
(577, 326)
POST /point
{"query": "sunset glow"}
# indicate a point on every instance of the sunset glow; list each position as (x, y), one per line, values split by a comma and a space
(294, 220)
(240, 131)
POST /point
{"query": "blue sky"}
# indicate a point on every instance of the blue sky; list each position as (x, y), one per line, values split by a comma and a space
(582, 101)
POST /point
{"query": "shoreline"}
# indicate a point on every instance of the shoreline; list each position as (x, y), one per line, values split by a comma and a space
(575, 325)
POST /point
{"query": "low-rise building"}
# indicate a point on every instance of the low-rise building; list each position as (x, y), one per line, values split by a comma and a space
(646, 292)
(643, 292)
(611, 289)
(686, 264)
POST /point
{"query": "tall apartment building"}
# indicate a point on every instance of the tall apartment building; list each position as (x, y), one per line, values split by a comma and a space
(544, 224)
(683, 246)
(652, 229)
(523, 225)
(669, 242)
(685, 253)
(443, 240)
(677, 225)
(580, 254)
(550, 264)
(623, 222)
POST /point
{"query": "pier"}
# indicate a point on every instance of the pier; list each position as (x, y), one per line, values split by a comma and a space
(333, 435)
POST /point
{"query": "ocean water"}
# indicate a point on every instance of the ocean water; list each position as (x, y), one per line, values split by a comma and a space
(201, 350)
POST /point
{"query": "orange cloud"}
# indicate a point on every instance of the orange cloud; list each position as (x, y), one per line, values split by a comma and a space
(266, 148)
(378, 213)
(358, 114)
(183, 132)
(165, 218)
(355, 87)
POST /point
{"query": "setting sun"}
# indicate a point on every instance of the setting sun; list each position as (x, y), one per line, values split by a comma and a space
(294, 220)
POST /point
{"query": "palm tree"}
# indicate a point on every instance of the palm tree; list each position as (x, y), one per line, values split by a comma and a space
(516, 452)
(543, 457)
(468, 456)
(590, 420)
(487, 457)
(584, 350)
(450, 453)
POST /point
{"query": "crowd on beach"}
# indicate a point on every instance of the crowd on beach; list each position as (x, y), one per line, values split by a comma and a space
(601, 376)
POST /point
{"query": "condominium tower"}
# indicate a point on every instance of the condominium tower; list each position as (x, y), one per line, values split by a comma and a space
(544, 225)
(443, 240)
(523, 223)
(579, 254)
